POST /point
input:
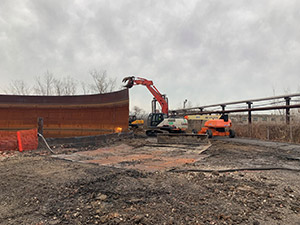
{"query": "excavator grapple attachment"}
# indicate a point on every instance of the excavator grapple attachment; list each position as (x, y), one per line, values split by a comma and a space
(129, 80)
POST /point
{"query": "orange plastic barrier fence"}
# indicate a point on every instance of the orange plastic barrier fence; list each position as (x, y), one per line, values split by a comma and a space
(21, 140)
(27, 139)
(8, 140)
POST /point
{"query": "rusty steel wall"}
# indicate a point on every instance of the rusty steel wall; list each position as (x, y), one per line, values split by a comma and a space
(66, 116)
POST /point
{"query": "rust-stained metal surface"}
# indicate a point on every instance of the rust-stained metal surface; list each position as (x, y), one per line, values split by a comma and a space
(66, 116)
(145, 158)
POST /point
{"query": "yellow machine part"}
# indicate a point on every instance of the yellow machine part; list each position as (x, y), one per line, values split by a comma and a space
(138, 122)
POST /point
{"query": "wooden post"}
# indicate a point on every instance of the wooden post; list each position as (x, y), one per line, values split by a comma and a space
(40, 125)
(287, 111)
(291, 133)
(249, 112)
(201, 121)
(249, 119)
(223, 109)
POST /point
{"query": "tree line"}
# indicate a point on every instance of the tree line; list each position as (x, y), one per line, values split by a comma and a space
(49, 84)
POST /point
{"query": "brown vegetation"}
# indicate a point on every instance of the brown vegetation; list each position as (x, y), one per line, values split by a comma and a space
(273, 132)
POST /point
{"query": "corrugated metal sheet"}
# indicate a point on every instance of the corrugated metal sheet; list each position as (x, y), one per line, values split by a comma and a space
(66, 116)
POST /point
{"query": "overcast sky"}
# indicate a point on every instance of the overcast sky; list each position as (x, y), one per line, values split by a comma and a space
(207, 52)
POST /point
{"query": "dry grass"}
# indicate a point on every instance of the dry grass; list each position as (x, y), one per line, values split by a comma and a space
(273, 132)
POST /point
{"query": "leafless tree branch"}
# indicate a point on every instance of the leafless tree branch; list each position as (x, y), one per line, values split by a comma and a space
(18, 87)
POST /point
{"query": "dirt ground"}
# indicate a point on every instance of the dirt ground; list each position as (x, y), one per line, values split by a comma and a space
(233, 182)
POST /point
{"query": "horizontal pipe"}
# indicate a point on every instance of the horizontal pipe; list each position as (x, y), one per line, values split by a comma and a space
(242, 110)
(240, 102)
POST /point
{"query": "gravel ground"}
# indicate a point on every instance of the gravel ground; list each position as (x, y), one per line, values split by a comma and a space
(39, 189)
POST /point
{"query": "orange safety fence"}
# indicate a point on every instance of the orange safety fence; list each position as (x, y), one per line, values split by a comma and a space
(8, 140)
(21, 140)
(27, 139)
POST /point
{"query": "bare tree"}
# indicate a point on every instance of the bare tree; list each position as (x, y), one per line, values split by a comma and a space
(18, 87)
(84, 87)
(70, 86)
(58, 87)
(65, 86)
(38, 88)
(189, 104)
(48, 84)
(139, 112)
(102, 83)
(44, 85)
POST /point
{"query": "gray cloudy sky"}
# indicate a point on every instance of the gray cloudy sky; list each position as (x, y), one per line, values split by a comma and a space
(208, 51)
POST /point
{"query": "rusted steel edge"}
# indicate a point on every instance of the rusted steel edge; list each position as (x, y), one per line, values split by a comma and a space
(58, 129)
(119, 103)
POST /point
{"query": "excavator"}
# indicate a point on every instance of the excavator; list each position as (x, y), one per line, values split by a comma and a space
(161, 123)
(134, 123)
(158, 122)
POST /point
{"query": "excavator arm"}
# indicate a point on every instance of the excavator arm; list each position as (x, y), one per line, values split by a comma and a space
(131, 81)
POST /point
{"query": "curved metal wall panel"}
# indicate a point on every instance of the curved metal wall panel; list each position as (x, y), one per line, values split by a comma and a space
(66, 116)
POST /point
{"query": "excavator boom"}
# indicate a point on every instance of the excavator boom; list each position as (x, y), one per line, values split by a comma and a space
(131, 81)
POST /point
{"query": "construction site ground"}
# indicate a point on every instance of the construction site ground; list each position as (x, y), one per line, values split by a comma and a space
(137, 181)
